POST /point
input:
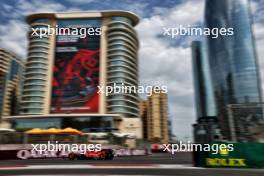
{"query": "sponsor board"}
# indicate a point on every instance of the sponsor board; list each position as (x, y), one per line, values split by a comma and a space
(244, 155)
(19, 153)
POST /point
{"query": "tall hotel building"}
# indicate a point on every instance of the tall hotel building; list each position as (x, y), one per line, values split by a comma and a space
(232, 59)
(11, 71)
(63, 72)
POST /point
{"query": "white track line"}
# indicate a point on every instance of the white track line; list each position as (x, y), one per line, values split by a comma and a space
(98, 166)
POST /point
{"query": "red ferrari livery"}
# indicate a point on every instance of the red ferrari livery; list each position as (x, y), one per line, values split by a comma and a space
(104, 154)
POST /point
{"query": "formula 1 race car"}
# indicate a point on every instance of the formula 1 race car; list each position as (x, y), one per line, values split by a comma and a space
(104, 154)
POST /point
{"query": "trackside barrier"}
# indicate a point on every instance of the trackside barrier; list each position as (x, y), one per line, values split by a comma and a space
(244, 155)
(18, 151)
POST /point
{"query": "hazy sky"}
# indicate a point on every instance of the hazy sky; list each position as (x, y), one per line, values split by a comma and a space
(162, 61)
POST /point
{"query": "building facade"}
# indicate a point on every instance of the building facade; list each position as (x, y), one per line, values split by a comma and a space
(204, 94)
(154, 115)
(232, 59)
(11, 75)
(143, 113)
(206, 128)
(64, 71)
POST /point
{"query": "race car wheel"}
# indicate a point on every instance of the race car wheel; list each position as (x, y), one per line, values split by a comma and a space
(110, 156)
(72, 156)
(103, 156)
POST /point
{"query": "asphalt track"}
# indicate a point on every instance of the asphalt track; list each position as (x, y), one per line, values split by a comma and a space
(159, 158)
(156, 164)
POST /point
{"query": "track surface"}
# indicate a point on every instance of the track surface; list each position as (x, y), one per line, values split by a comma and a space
(156, 164)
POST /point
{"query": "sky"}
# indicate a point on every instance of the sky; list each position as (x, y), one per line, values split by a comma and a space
(162, 61)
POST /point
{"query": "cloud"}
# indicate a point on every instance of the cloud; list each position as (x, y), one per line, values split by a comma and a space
(7, 7)
(25, 7)
(14, 32)
(81, 1)
(13, 35)
(165, 64)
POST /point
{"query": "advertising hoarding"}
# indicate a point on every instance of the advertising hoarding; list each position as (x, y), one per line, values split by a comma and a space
(76, 67)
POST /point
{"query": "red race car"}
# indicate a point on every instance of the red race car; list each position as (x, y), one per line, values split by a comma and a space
(104, 154)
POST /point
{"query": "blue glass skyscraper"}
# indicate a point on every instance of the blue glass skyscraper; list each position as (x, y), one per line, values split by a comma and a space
(232, 59)
(204, 98)
(205, 128)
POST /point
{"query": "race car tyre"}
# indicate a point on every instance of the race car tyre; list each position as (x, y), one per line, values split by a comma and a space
(72, 156)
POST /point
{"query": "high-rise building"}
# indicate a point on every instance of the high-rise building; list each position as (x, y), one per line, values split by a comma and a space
(11, 75)
(232, 59)
(204, 94)
(63, 71)
(205, 130)
(143, 113)
(154, 114)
